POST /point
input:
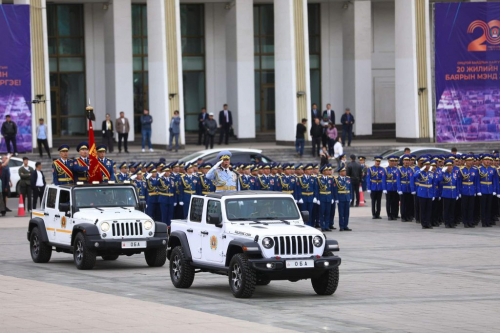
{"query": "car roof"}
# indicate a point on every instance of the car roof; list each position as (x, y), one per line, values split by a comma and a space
(220, 195)
(72, 186)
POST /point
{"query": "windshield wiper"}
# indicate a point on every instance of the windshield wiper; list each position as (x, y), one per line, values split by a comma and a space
(102, 210)
(247, 220)
(273, 218)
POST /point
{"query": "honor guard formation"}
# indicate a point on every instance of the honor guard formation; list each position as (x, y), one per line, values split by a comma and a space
(431, 190)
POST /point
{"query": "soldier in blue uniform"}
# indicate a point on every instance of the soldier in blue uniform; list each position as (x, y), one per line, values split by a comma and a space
(275, 176)
(189, 185)
(288, 183)
(106, 164)
(123, 175)
(325, 196)
(405, 174)
(448, 182)
(342, 195)
(375, 175)
(62, 168)
(81, 163)
(307, 189)
(152, 197)
(425, 193)
(166, 195)
(468, 177)
(246, 181)
(486, 188)
(207, 185)
(224, 178)
(390, 188)
(141, 186)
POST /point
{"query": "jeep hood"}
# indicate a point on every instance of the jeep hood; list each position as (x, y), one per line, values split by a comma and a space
(110, 214)
(270, 229)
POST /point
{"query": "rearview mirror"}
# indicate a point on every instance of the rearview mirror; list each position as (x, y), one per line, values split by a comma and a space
(64, 207)
(214, 219)
(142, 206)
(305, 216)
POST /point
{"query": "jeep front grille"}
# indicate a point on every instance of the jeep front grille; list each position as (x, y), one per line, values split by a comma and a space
(124, 229)
(293, 245)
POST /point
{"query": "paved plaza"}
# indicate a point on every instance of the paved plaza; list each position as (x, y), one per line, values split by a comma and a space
(394, 277)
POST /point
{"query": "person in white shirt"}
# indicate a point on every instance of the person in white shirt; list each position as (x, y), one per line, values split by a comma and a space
(37, 184)
(338, 150)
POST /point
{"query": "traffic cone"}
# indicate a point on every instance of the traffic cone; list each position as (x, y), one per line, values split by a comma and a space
(20, 210)
(361, 196)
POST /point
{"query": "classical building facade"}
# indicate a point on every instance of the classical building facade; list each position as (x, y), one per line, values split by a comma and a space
(269, 60)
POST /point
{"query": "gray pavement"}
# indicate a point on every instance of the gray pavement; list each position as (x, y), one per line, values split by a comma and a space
(395, 277)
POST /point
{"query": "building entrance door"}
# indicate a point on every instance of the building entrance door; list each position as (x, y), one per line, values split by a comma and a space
(266, 117)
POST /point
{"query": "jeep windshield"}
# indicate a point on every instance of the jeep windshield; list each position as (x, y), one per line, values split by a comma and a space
(101, 197)
(261, 209)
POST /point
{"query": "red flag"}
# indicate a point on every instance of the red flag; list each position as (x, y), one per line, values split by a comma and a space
(95, 173)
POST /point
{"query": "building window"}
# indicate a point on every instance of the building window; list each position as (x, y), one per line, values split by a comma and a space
(140, 62)
(67, 69)
(193, 63)
(313, 12)
(263, 26)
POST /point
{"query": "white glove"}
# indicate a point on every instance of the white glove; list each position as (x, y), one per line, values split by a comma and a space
(350, 201)
(498, 196)
(315, 201)
(439, 198)
(494, 193)
(296, 201)
(369, 191)
(479, 194)
(301, 201)
(318, 202)
(181, 203)
(458, 197)
(384, 191)
(413, 193)
(175, 204)
(218, 163)
(333, 201)
(337, 201)
(400, 192)
(433, 198)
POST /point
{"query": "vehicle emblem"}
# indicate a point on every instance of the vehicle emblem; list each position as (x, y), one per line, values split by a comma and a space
(213, 242)
(63, 222)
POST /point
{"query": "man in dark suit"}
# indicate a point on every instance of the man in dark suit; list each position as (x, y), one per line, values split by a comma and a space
(355, 171)
(37, 184)
(329, 113)
(225, 123)
(315, 113)
(347, 121)
(107, 133)
(201, 125)
(5, 178)
(25, 172)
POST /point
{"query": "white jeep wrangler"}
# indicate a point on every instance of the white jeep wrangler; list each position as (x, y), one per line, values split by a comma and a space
(253, 237)
(104, 220)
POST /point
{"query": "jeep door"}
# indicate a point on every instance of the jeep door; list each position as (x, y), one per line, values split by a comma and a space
(49, 213)
(193, 230)
(212, 242)
(64, 224)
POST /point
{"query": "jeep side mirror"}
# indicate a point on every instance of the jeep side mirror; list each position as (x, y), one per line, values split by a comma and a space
(64, 207)
(305, 216)
(142, 206)
(214, 219)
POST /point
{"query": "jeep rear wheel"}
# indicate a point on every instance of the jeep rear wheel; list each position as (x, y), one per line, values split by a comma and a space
(156, 257)
(40, 252)
(181, 271)
(110, 257)
(328, 282)
(83, 256)
(242, 277)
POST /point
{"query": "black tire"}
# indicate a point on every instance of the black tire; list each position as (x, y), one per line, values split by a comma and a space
(156, 257)
(242, 277)
(328, 282)
(263, 281)
(181, 271)
(40, 252)
(83, 256)
(110, 257)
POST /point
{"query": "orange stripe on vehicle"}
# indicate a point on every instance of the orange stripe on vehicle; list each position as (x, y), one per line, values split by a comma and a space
(38, 214)
(65, 231)
(51, 229)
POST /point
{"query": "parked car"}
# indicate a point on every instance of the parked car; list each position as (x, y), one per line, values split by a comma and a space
(399, 151)
(239, 156)
(14, 164)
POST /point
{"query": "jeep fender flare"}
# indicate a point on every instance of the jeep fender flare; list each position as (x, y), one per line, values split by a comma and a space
(242, 246)
(179, 238)
(331, 245)
(88, 229)
(38, 222)
(161, 229)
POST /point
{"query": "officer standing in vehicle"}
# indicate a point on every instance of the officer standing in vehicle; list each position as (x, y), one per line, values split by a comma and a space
(106, 164)
(343, 198)
(374, 179)
(62, 168)
(225, 179)
(81, 163)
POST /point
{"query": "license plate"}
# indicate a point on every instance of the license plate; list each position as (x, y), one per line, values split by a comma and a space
(300, 264)
(133, 244)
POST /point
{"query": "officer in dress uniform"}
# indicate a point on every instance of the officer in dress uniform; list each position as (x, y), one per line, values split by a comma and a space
(390, 188)
(224, 178)
(325, 196)
(275, 176)
(152, 198)
(374, 179)
(141, 186)
(468, 177)
(81, 164)
(207, 185)
(288, 183)
(189, 185)
(123, 174)
(266, 182)
(486, 188)
(342, 195)
(425, 193)
(316, 210)
(448, 182)
(246, 182)
(416, 202)
(62, 168)
(405, 174)
(307, 190)
(106, 165)
(166, 195)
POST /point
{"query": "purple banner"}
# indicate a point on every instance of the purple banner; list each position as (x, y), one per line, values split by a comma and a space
(467, 46)
(15, 74)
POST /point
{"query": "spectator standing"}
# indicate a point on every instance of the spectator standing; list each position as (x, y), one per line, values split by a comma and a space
(355, 171)
(107, 133)
(25, 183)
(338, 150)
(201, 125)
(6, 183)
(315, 112)
(210, 130)
(175, 130)
(37, 184)
(331, 134)
(146, 121)
(41, 137)
(300, 139)
(329, 113)
(225, 123)
(9, 132)
(316, 134)
(347, 121)
(122, 127)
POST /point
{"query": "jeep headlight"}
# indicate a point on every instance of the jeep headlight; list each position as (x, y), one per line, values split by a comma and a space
(148, 224)
(105, 227)
(317, 241)
(267, 242)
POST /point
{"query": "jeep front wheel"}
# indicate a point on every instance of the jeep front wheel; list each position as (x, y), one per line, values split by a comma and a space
(110, 257)
(156, 257)
(40, 252)
(181, 271)
(242, 277)
(84, 257)
(328, 282)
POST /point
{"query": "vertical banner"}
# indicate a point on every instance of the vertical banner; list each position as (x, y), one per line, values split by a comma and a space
(467, 45)
(15, 73)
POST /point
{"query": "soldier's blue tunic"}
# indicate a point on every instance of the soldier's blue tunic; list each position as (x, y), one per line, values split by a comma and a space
(188, 185)
(121, 177)
(80, 169)
(307, 188)
(374, 178)
(448, 184)
(324, 191)
(207, 185)
(141, 188)
(108, 164)
(342, 194)
(62, 174)
(166, 198)
(152, 199)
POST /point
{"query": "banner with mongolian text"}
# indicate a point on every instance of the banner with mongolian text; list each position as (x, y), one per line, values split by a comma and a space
(467, 45)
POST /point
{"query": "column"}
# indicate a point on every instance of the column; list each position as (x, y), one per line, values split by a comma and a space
(118, 57)
(291, 52)
(157, 71)
(240, 67)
